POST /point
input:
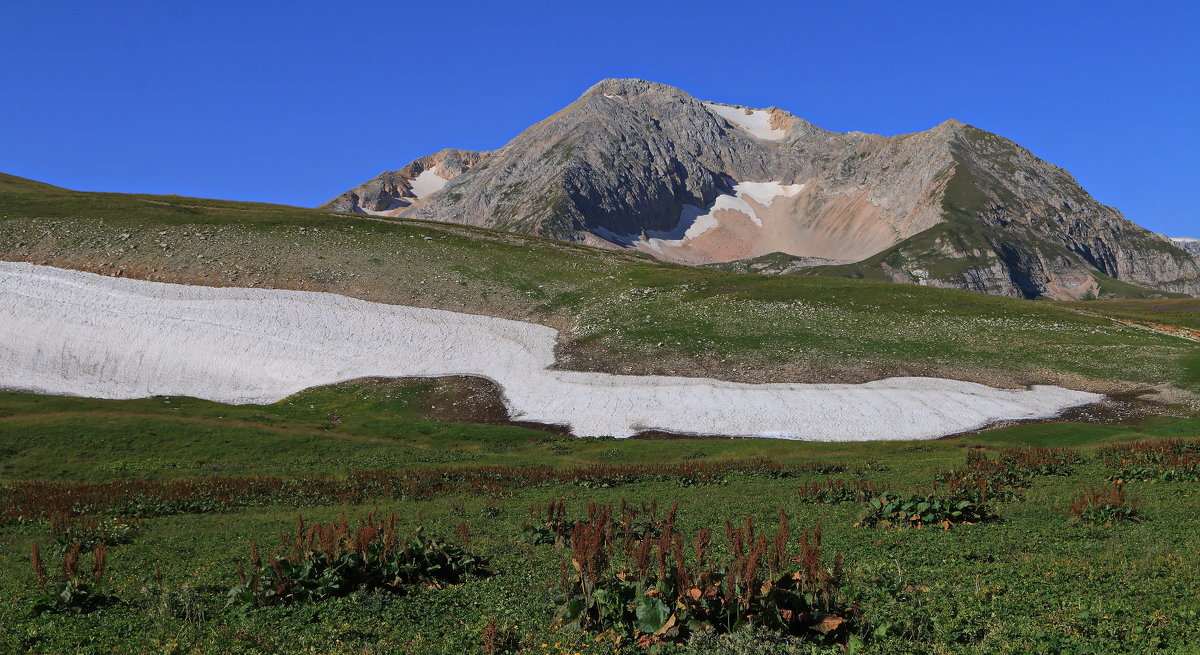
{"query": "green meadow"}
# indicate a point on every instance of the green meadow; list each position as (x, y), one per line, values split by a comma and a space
(181, 491)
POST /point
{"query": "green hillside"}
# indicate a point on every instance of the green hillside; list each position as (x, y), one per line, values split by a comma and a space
(618, 311)
(183, 492)
(14, 184)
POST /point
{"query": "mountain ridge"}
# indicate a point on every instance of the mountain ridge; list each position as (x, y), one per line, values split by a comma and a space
(645, 166)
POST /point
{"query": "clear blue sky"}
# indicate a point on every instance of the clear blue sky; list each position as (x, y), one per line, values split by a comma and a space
(295, 102)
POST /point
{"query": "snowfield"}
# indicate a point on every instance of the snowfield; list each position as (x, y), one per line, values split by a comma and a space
(427, 183)
(755, 121)
(74, 333)
(695, 221)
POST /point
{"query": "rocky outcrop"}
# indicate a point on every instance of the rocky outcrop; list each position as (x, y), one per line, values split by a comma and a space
(640, 165)
(392, 192)
(1015, 225)
(1188, 244)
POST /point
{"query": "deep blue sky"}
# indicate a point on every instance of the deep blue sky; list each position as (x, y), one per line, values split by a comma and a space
(295, 102)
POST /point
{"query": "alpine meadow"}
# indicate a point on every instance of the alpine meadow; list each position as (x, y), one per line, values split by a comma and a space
(658, 373)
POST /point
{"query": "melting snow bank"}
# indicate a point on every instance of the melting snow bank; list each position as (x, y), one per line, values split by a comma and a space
(694, 221)
(74, 333)
(755, 121)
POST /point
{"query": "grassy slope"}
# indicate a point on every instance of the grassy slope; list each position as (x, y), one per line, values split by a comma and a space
(1032, 583)
(618, 311)
(1184, 312)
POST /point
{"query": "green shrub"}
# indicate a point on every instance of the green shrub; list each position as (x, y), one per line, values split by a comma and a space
(77, 591)
(653, 594)
(919, 510)
(67, 530)
(333, 560)
(1104, 506)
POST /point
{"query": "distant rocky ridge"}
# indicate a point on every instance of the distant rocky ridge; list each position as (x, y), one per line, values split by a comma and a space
(392, 192)
(1188, 244)
(639, 165)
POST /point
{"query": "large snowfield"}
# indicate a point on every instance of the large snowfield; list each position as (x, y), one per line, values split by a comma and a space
(74, 333)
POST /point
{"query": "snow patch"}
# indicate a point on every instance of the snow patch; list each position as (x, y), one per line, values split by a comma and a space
(428, 182)
(757, 122)
(69, 332)
(764, 193)
(694, 221)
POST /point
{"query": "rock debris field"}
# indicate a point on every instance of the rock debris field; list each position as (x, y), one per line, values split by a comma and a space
(74, 333)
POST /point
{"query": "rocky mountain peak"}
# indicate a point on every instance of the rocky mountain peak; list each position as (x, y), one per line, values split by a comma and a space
(392, 192)
(641, 165)
(1186, 243)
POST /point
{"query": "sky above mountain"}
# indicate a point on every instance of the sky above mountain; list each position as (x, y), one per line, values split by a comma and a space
(296, 102)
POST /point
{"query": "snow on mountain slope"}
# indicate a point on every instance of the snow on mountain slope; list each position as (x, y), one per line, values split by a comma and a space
(755, 121)
(738, 220)
(392, 192)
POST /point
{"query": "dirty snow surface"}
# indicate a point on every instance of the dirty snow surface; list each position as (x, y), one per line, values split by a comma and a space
(428, 182)
(755, 121)
(74, 333)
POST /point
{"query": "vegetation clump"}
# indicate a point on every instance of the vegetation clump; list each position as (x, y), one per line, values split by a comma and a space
(322, 561)
(89, 532)
(1104, 506)
(1166, 460)
(891, 510)
(833, 492)
(1008, 476)
(1035, 462)
(650, 591)
(78, 590)
(549, 524)
(37, 499)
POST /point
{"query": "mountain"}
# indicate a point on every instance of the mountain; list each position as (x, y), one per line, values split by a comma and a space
(392, 192)
(645, 166)
(1190, 245)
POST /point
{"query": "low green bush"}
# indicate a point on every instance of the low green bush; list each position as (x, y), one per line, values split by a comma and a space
(919, 510)
(77, 590)
(333, 560)
(67, 530)
(654, 594)
(1104, 506)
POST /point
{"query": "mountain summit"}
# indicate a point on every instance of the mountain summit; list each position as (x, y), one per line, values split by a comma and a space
(640, 165)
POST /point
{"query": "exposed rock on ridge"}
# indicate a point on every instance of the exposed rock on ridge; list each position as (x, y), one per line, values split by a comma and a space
(1188, 244)
(641, 165)
(391, 192)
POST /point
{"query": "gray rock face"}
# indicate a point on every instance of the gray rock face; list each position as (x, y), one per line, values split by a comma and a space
(391, 192)
(1188, 244)
(636, 164)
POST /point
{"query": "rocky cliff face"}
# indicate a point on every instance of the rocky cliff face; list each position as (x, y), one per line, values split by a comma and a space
(1188, 244)
(639, 165)
(392, 192)
(1015, 225)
